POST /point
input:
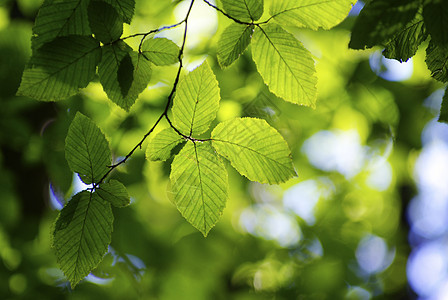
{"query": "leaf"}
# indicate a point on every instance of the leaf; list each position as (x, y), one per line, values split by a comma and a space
(125, 8)
(114, 192)
(443, 117)
(285, 65)
(105, 22)
(162, 144)
(234, 40)
(404, 44)
(123, 73)
(60, 68)
(87, 150)
(62, 18)
(161, 51)
(435, 14)
(199, 184)
(255, 149)
(437, 61)
(82, 235)
(311, 13)
(244, 10)
(380, 20)
(197, 101)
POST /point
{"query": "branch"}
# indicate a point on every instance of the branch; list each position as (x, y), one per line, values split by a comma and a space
(235, 19)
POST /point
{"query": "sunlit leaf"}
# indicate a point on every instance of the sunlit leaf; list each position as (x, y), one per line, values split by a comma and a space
(244, 10)
(285, 65)
(380, 20)
(311, 13)
(125, 8)
(435, 14)
(60, 68)
(114, 192)
(162, 144)
(232, 43)
(199, 185)
(87, 150)
(123, 73)
(82, 234)
(404, 43)
(60, 18)
(161, 51)
(106, 24)
(437, 61)
(197, 101)
(255, 149)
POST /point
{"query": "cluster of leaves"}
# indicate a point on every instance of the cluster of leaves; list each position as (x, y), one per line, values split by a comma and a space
(76, 39)
(401, 27)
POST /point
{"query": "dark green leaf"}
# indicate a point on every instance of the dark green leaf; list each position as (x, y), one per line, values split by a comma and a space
(161, 51)
(199, 185)
(380, 20)
(234, 40)
(311, 13)
(435, 13)
(255, 149)
(115, 193)
(285, 65)
(162, 144)
(244, 10)
(125, 8)
(87, 150)
(60, 18)
(125, 74)
(60, 68)
(82, 235)
(197, 101)
(404, 44)
(437, 61)
(106, 24)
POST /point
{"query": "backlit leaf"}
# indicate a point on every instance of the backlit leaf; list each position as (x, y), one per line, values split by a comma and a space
(435, 14)
(311, 13)
(60, 68)
(285, 65)
(197, 101)
(244, 10)
(125, 8)
(232, 43)
(105, 22)
(114, 192)
(437, 61)
(199, 185)
(87, 150)
(82, 235)
(162, 144)
(161, 51)
(255, 149)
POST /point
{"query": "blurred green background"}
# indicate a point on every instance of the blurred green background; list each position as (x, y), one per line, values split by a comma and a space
(341, 230)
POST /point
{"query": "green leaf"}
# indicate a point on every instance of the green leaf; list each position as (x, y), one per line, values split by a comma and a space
(435, 14)
(443, 117)
(61, 18)
(285, 65)
(404, 43)
(125, 8)
(123, 73)
(234, 40)
(437, 61)
(199, 185)
(82, 234)
(255, 149)
(60, 68)
(105, 22)
(161, 51)
(380, 20)
(197, 101)
(244, 10)
(87, 150)
(114, 192)
(311, 13)
(162, 144)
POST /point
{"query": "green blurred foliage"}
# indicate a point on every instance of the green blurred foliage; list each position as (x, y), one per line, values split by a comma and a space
(155, 253)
